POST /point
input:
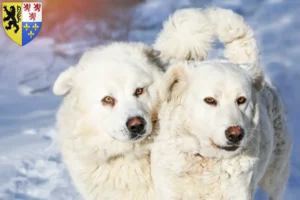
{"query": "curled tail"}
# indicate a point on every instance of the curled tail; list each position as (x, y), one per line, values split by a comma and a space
(189, 34)
(238, 38)
(19, 13)
(186, 35)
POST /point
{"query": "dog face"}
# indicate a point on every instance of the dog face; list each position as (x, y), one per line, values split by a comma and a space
(116, 95)
(220, 105)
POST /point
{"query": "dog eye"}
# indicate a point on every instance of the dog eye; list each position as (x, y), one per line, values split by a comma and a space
(138, 91)
(241, 100)
(108, 100)
(210, 101)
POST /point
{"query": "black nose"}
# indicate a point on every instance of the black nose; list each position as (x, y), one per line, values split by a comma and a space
(234, 134)
(136, 125)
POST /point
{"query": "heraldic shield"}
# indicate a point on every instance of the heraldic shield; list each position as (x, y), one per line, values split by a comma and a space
(22, 21)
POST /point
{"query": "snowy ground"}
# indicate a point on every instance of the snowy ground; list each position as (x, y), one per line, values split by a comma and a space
(30, 163)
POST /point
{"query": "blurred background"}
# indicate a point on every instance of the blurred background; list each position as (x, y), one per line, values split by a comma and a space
(30, 162)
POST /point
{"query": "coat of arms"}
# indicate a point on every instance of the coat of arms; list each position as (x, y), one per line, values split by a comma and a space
(22, 21)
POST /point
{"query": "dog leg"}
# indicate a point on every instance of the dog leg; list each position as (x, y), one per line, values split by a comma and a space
(166, 180)
(240, 187)
(241, 182)
(173, 168)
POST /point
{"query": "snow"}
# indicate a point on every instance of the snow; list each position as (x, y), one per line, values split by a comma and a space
(30, 162)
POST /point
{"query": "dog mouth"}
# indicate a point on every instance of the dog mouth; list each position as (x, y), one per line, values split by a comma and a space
(137, 137)
(226, 148)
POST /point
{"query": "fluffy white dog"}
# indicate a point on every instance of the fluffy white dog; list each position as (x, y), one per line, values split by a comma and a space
(223, 130)
(104, 122)
(107, 120)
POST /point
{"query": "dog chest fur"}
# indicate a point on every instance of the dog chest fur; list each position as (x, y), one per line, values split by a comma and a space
(120, 178)
(185, 175)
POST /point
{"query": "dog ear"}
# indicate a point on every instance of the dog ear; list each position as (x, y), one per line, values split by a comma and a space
(152, 53)
(154, 58)
(64, 82)
(174, 82)
(256, 75)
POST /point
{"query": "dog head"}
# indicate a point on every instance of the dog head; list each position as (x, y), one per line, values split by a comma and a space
(219, 102)
(114, 89)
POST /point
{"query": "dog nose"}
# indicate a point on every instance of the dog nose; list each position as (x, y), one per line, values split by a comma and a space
(136, 125)
(234, 134)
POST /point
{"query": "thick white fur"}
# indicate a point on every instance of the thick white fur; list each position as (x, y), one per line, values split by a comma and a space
(185, 164)
(188, 34)
(102, 160)
(237, 36)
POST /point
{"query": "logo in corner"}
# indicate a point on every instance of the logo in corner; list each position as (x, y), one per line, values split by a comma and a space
(22, 21)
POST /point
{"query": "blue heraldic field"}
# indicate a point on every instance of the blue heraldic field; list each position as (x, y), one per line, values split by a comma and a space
(29, 31)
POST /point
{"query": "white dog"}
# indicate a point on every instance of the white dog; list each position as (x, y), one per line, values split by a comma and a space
(106, 118)
(222, 131)
(106, 122)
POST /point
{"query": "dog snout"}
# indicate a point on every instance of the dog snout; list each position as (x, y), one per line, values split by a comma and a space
(136, 125)
(234, 134)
